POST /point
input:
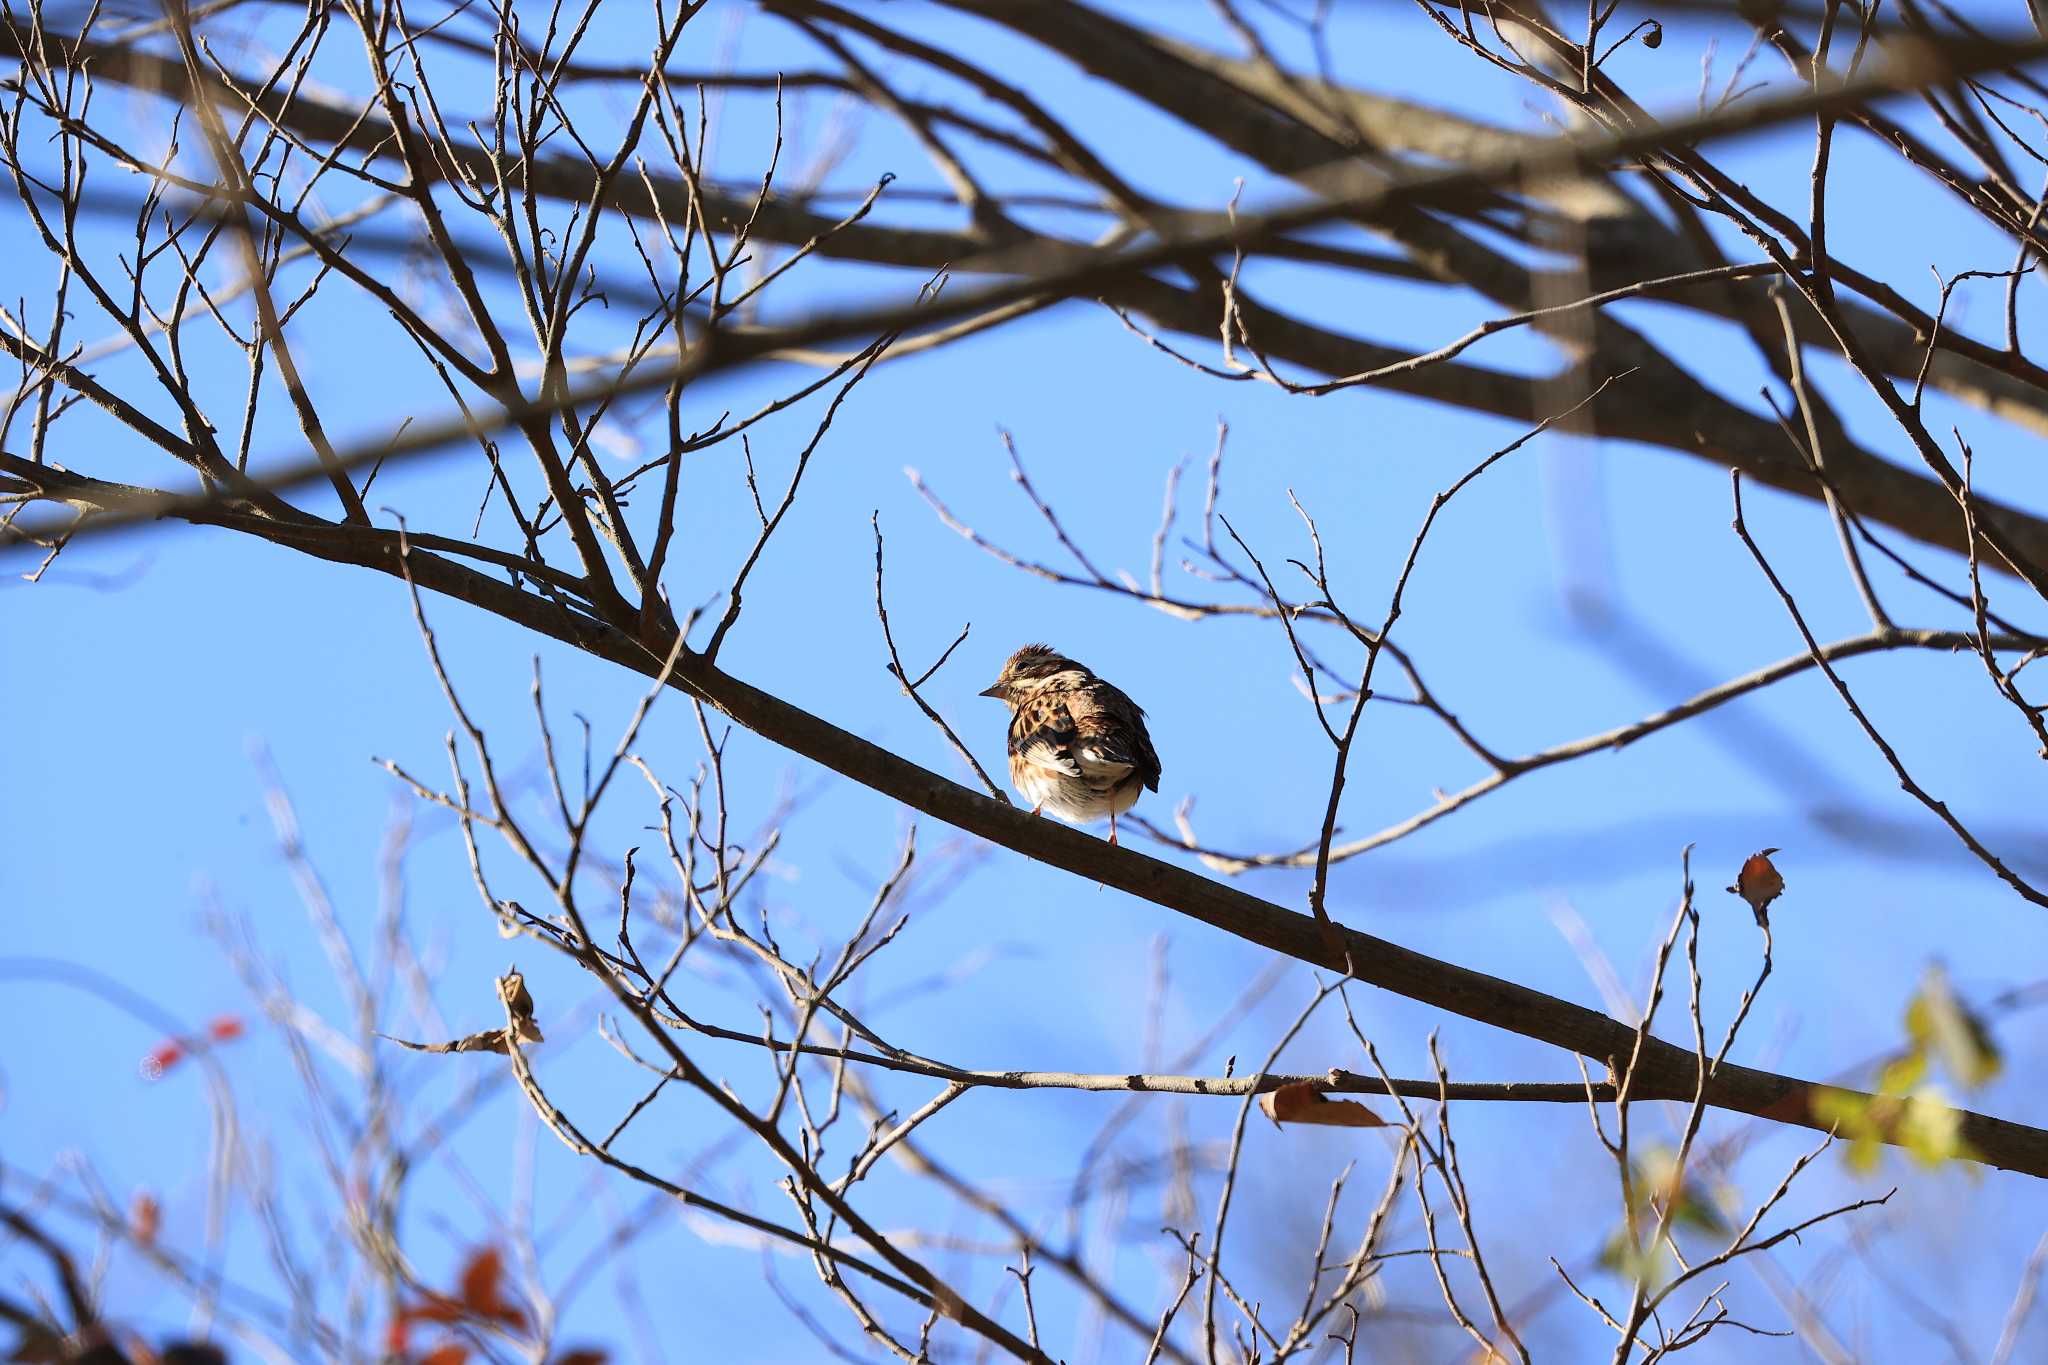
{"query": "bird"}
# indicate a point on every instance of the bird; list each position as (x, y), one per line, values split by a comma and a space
(1078, 745)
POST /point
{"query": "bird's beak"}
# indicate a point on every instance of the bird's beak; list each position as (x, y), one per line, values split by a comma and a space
(992, 690)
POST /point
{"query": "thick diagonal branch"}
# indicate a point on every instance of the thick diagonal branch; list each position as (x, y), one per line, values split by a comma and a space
(1379, 962)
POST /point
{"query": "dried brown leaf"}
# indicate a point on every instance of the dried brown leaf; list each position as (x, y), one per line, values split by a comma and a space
(1302, 1102)
(519, 1005)
(490, 1040)
(518, 1002)
(1759, 883)
(481, 1293)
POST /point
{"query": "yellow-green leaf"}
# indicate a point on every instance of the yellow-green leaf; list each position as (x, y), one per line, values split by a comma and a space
(1939, 1024)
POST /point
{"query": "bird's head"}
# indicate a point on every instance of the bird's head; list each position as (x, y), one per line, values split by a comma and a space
(1025, 671)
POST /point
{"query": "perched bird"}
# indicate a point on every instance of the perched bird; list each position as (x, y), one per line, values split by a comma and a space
(1078, 747)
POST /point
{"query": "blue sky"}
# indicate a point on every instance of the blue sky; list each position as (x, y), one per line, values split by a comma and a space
(151, 669)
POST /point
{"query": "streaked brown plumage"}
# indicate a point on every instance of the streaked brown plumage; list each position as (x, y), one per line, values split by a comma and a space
(1078, 746)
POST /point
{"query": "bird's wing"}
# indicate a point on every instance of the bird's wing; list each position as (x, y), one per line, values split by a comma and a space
(1042, 734)
(1111, 741)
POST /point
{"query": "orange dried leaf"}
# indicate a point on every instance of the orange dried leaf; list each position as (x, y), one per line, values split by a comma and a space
(481, 1294)
(480, 1280)
(584, 1356)
(1759, 883)
(1302, 1102)
(447, 1353)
